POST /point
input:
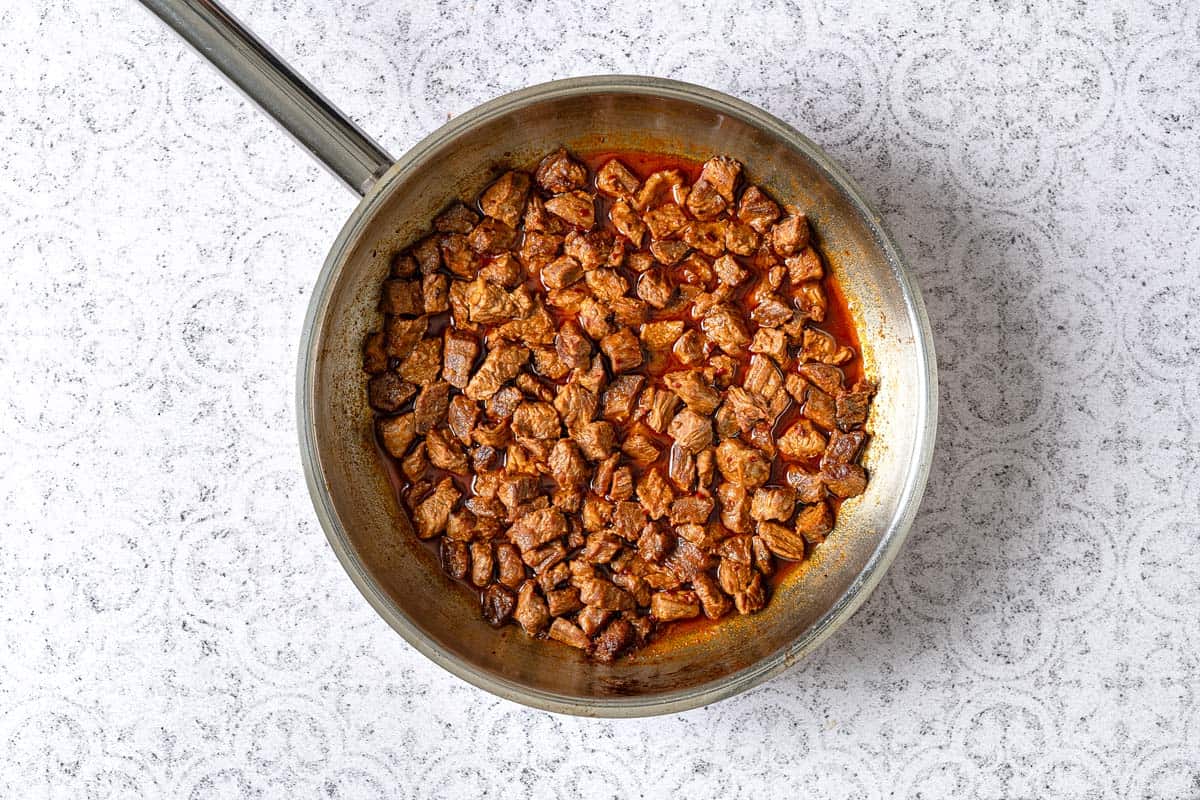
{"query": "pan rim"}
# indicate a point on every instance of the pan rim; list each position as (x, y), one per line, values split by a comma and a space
(919, 459)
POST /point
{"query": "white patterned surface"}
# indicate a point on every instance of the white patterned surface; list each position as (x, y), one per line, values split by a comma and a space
(174, 623)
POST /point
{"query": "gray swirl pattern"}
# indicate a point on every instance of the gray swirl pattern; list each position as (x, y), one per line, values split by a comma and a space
(174, 624)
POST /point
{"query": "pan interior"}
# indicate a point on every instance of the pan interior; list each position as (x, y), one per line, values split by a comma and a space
(373, 537)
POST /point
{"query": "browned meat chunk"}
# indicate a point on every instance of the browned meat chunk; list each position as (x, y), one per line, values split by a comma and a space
(627, 222)
(572, 346)
(387, 392)
(500, 366)
(432, 513)
(498, 605)
(735, 507)
(658, 407)
(458, 356)
(558, 172)
(655, 288)
(691, 431)
(568, 633)
(690, 386)
(397, 433)
(621, 396)
(628, 519)
(771, 342)
(510, 570)
(740, 238)
(757, 210)
(561, 272)
(640, 448)
(655, 544)
(708, 238)
(665, 221)
(819, 407)
(614, 640)
(456, 219)
(503, 404)
(403, 334)
(724, 327)
(444, 453)
(773, 503)
(729, 271)
(845, 480)
(752, 598)
(827, 378)
(595, 439)
(431, 406)
(505, 198)
(843, 447)
(538, 528)
(704, 201)
(563, 601)
(458, 255)
(741, 464)
(402, 297)
(691, 510)
(809, 486)
(623, 350)
(488, 303)
(668, 252)
(427, 255)
(607, 285)
(662, 184)
(602, 594)
(455, 557)
(536, 421)
(491, 237)
(813, 522)
(712, 599)
(852, 407)
(424, 362)
(820, 346)
(531, 612)
(566, 463)
(655, 493)
(592, 249)
(415, 464)
(375, 359)
(673, 605)
(790, 235)
(782, 541)
(575, 208)
(689, 348)
(615, 180)
(660, 336)
(539, 249)
(810, 299)
(576, 405)
(804, 266)
(802, 441)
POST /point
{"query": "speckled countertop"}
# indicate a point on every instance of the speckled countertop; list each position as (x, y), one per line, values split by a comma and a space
(173, 623)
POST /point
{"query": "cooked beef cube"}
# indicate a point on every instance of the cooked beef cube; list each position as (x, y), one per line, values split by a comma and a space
(505, 198)
(690, 386)
(729, 271)
(735, 507)
(459, 351)
(514, 490)
(607, 285)
(704, 201)
(813, 522)
(387, 392)
(713, 600)
(773, 503)
(802, 441)
(659, 185)
(734, 576)
(658, 406)
(655, 544)
(681, 468)
(620, 397)
(809, 486)
(545, 558)
(561, 272)
(536, 421)
(771, 312)
(706, 467)
(655, 493)
(741, 464)
(819, 407)
(757, 210)
(445, 453)
(760, 436)
(576, 405)
(810, 299)
(623, 350)
(488, 303)
(424, 362)
(403, 335)
(484, 507)
(498, 605)
(596, 513)
(708, 238)
(826, 377)
(602, 479)
(614, 640)
(553, 576)
(592, 249)
(531, 613)
(402, 297)
(491, 237)
(665, 221)
(485, 458)
(771, 342)
(627, 222)
(722, 172)
(804, 266)
(820, 346)
(500, 366)
(601, 547)
(790, 235)
(558, 172)
(764, 562)
(375, 358)
(455, 557)
(503, 270)
(689, 347)
(740, 238)
(549, 365)
(415, 464)
(602, 594)
(655, 288)
(693, 510)
(457, 219)
(629, 311)
(673, 605)
(845, 480)
(572, 346)
(660, 336)
(592, 619)
(510, 570)
(397, 433)
(538, 528)
(458, 255)
(697, 271)
(640, 448)
(595, 439)
(851, 408)
(568, 633)
(566, 463)
(537, 220)
(628, 519)
(691, 431)
(539, 249)
(432, 513)
(503, 404)
(576, 208)
(668, 252)
(431, 406)
(724, 327)
(752, 598)
(563, 601)
(427, 254)
(843, 447)
(615, 180)
(434, 294)
(763, 378)
(404, 265)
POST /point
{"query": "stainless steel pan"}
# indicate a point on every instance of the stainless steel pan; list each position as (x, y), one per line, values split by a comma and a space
(370, 533)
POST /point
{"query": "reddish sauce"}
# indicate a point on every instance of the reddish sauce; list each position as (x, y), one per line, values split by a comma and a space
(838, 322)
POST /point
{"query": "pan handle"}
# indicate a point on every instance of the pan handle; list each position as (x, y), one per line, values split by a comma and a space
(266, 78)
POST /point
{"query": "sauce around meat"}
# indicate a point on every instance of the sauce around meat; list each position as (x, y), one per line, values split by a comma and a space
(618, 393)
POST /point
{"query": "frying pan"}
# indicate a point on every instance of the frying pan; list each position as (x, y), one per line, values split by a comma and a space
(367, 528)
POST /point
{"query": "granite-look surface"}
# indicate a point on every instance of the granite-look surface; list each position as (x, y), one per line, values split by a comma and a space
(174, 623)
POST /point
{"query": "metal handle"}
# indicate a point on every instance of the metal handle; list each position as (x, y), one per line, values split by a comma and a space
(266, 79)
